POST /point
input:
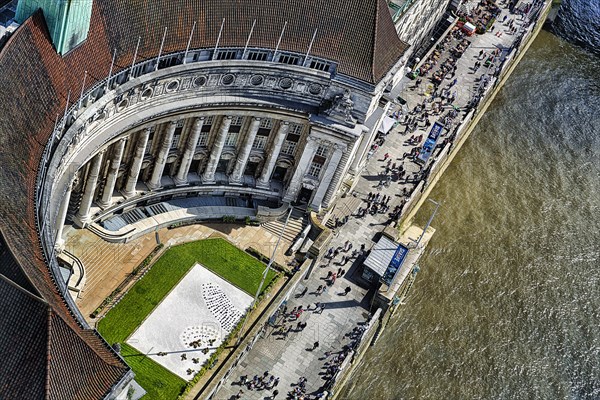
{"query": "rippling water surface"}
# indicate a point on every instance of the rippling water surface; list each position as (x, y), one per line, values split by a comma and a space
(507, 303)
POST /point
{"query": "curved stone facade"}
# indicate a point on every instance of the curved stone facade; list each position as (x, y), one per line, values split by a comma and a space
(211, 126)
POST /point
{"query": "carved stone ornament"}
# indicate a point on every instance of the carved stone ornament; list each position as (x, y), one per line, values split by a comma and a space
(341, 107)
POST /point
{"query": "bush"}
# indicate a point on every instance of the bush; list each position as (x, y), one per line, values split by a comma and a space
(228, 218)
(260, 256)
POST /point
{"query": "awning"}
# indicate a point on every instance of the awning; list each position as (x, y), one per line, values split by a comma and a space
(381, 255)
(469, 27)
(386, 258)
(387, 124)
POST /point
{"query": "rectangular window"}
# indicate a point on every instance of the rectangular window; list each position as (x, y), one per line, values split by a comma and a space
(315, 169)
(321, 151)
(177, 133)
(236, 124)
(266, 123)
(260, 142)
(237, 120)
(150, 139)
(289, 59)
(257, 55)
(288, 148)
(231, 139)
(203, 139)
(175, 141)
(226, 54)
(207, 125)
(296, 129)
(320, 65)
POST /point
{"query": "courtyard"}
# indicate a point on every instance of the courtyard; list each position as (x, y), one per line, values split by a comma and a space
(176, 316)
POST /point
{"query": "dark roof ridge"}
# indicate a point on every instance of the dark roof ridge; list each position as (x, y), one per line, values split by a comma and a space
(51, 275)
(48, 355)
(23, 290)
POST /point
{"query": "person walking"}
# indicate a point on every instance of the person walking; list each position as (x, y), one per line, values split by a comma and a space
(275, 393)
(315, 345)
(347, 290)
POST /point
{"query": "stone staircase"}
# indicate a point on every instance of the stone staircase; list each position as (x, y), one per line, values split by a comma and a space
(344, 207)
(298, 221)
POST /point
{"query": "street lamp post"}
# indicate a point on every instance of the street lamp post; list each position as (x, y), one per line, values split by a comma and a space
(437, 205)
(264, 277)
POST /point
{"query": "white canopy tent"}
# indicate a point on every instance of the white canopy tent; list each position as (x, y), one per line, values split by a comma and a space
(386, 124)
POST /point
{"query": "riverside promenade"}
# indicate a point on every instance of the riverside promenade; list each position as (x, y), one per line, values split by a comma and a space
(293, 356)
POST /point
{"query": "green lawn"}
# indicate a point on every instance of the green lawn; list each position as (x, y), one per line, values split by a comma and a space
(217, 255)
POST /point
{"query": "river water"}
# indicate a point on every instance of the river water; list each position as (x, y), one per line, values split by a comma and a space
(507, 303)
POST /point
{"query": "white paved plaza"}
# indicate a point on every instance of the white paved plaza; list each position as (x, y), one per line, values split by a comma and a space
(201, 308)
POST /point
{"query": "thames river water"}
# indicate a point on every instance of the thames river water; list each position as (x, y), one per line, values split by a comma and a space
(507, 303)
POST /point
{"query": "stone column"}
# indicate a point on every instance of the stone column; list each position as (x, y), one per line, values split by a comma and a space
(217, 148)
(59, 224)
(111, 178)
(265, 175)
(83, 216)
(188, 154)
(244, 153)
(360, 152)
(136, 165)
(327, 177)
(161, 158)
(308, 154)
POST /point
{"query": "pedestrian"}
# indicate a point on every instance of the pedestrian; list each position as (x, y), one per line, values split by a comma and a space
(340, 269)
(342, 273)
(276, 381)
(304, 292)
(347, 290)
(239, 394)
(275, 393)
(315, 345)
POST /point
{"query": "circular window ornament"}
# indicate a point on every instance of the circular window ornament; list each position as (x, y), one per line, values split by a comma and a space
(146, 94)
(286, 83)
(315, 89)
(199, 81)
(123, 104)
(172, 86)
(228, 79)
(257, 80)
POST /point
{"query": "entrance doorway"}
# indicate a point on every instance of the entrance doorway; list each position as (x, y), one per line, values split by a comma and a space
(304, 196)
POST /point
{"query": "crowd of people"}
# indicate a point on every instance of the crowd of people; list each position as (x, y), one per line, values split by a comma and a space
(437, 104)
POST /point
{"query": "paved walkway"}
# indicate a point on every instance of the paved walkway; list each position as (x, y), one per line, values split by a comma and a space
(289, 358)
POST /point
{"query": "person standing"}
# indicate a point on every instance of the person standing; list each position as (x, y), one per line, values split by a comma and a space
(347, 290)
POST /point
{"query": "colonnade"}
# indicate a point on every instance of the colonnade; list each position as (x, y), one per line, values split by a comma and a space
(130, 155)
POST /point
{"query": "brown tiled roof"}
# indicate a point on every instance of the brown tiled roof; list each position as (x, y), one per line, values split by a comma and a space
(44, 351)
(45, 358)
(358, 34)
